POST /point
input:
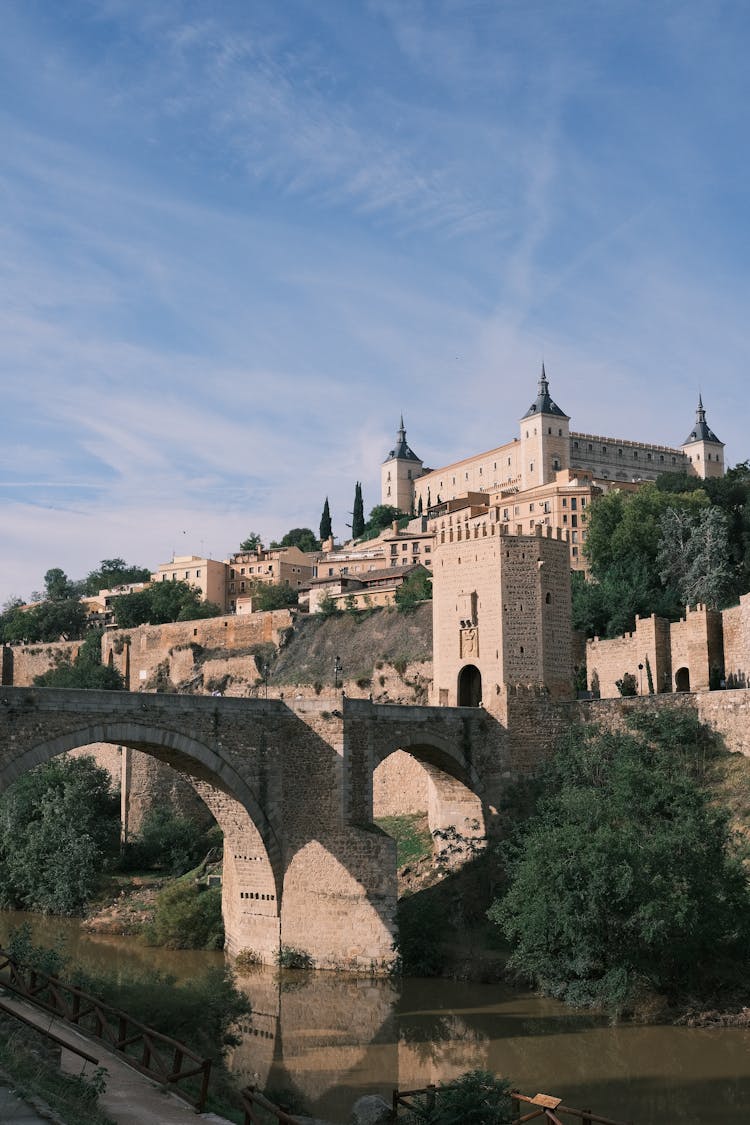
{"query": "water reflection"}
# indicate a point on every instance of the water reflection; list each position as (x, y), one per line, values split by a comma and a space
(330, 1039)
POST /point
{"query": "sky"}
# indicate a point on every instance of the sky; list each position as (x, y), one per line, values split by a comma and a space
(238, 239)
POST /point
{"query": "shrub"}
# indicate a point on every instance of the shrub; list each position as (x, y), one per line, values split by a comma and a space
(288, 957)
(626, 876)
(187, 916)
(475, 1098)
(169, 842)
(628, 685)
(420, 919)
(59, 827)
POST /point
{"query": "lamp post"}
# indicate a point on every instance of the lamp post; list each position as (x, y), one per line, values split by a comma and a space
(337, 670)
(640, 678)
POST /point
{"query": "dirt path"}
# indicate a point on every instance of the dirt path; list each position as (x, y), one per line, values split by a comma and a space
(130, 1097)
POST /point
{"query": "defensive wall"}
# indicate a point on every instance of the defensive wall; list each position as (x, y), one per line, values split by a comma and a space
(698, 652)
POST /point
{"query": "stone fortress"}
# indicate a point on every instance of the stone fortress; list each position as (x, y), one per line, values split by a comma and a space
(546, 476)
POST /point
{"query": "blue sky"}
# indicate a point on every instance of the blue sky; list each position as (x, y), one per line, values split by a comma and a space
(238, 239)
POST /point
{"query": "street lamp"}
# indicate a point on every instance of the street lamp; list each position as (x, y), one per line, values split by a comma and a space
(337, 670)
(640, 677)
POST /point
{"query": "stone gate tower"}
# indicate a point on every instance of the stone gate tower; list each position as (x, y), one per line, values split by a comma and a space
(703, 449)
(501, 614)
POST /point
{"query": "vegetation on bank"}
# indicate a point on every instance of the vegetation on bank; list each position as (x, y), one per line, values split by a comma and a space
(626, 878)
(474, 1098)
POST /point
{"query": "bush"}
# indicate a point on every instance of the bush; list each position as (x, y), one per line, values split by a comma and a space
(59, 827)
(169, 842)
(421, 921)
(187, 916)
(86, 671)
(475, 1098)
(626, 876)
(290, 958)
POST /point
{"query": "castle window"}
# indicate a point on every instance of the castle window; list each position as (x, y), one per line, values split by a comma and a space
(565, 501)
(619, 453)
(548, 598)
(661, 456)
(480, 470)
(590, 447)
(531, 467)
(549, 429)
(565, 519)
(674, 460)
(197, 574)
(635, 454)
(574, 521)
(583, 501)
(466, 476)
(408, 474)
(454, 480)
(575, 552)
(648, 456)
(573, 502)
(604, 449)
(505, 513)
(531, 507)
(559, 432)
(575, 445)
(389, 475)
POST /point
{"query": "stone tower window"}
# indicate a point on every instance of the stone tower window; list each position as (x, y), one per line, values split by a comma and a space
(548, 598)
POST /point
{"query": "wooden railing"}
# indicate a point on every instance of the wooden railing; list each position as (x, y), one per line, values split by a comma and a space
(149, 1051)
(542, 1106)
(46, 1034)
(258, 1109)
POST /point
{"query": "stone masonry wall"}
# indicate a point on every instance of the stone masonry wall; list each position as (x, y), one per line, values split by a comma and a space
(28, 661)
(737, 643)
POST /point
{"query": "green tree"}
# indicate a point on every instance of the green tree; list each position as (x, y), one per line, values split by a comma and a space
(59, 824)
(187, 916)
(252, 543)
(160, 603)
(301, 537)
(114, 572)
(85, 671)
(58, 586)
(693, 555)
(49, 621)
(382, 516)
(268, 595)
(626, 875)
(326, 527)
(358, 513)
(416, 589)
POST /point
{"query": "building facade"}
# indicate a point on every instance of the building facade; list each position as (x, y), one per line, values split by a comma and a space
(547, 475)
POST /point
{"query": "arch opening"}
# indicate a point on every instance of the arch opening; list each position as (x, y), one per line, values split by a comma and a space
(252, 863)
(682, 679)
(469, 692)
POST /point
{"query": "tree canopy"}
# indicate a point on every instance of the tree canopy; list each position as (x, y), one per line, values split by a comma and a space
(160, 603)
(300, 537)
(114, 572)
(58, 825)
(656, 550)
(252, 543)
(626, 874)
(270, 595)
(358, 512)
(326, 527)
(49, 621)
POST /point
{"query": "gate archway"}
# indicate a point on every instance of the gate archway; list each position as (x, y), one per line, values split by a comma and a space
(469, 686)
(682, 679)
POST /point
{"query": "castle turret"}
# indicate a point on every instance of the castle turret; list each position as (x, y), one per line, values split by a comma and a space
(704, 451)
(545, 438)
(400, 469)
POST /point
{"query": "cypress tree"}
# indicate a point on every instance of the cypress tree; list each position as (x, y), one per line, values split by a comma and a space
(419, 507)
(325, 523)
(358, 515)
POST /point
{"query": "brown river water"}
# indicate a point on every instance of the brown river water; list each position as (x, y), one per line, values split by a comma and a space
(330, 1038)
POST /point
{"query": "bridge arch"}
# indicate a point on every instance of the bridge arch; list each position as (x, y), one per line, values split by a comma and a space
(253, 862)
(450, 793)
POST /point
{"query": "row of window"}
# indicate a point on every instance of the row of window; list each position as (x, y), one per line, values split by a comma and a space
(165, 576)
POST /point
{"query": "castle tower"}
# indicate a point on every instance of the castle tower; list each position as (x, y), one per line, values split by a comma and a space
(400, 469)
(545, 438)
(501, 615)
(704, 451)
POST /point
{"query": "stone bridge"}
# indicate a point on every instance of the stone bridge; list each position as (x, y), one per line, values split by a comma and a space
(291, 786)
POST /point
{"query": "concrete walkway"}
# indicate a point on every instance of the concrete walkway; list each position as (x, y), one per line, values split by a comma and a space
(130, 1098)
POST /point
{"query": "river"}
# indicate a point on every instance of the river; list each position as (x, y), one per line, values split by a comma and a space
(330, 1038)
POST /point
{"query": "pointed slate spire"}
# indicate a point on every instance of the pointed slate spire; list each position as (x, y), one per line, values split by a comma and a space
(402, 452)
(544, 403)
(701, 431)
